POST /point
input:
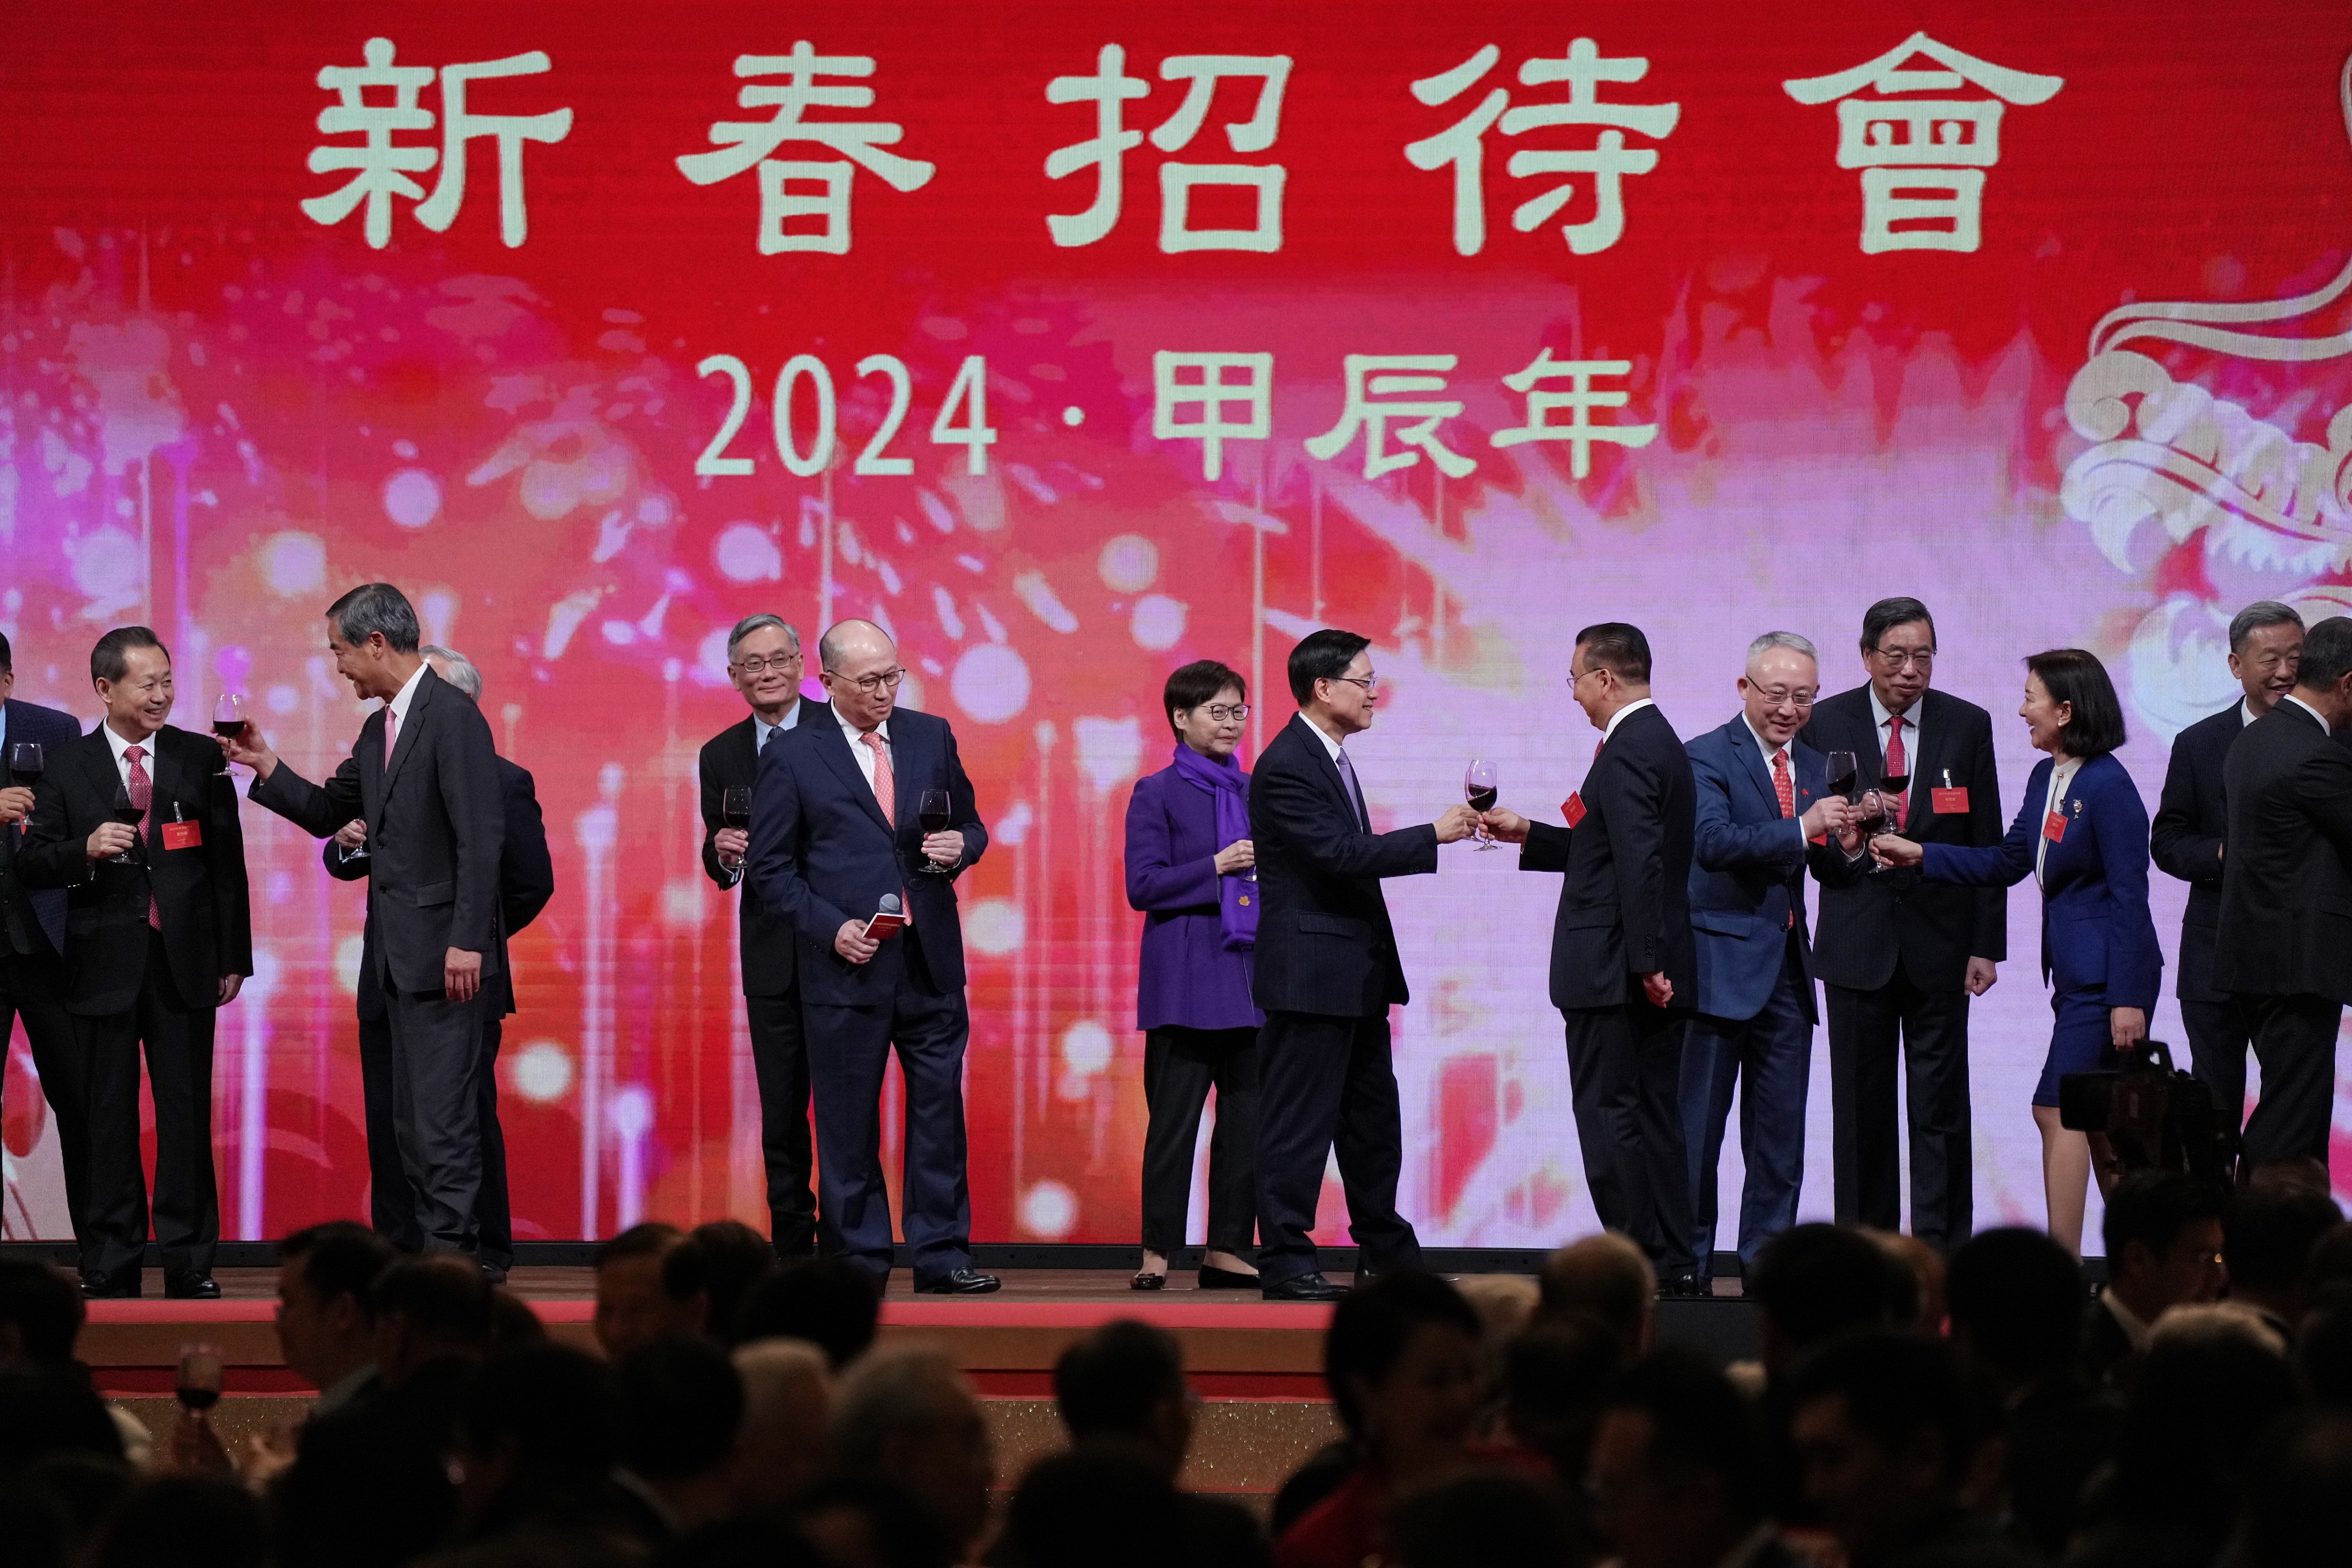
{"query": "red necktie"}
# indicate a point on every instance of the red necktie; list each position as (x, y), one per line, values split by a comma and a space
(1897, 764)
(1783, 786)
(143, 796)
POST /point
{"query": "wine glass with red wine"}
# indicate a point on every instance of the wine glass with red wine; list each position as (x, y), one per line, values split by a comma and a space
(735, 808)
(936, 815)
(1888, 807)
(130, 816)
(27, 762)
(228, 715)
(1482, 786)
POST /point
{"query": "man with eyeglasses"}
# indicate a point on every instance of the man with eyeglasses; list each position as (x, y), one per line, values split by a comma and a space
(763, 659)
(1765, 814)
(1900, 957)
(837, 826)
(1327, 973)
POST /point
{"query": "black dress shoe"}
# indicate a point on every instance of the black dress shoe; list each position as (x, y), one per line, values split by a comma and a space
(494, 1274)
(1308, 1287)
(192, 1287)
(1216, 1279)
(98, 1288)
(1684, 1286)
(961, 1282)
(1147, 1280)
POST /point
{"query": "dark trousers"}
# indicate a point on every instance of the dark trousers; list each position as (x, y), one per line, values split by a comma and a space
(1180, 1066)
(29, 989)
(1326, 1085)
(779, 1063)
(2294, 1041)
(2219, 1034)
(437, 1068)
(1625, 1074)
(847, 1050)
(1930, 1030)
(178, 1041)
(391, 1200)
(1769, 1058)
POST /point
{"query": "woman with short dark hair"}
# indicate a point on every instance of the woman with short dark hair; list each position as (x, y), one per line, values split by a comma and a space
(2081, 831)
(1191, 871)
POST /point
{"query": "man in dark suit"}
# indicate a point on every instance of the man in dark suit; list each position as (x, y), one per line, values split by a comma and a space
(1327, 974)
(835, 829)
(526, 882)
(763, 657)
(423, 776)
(1900, 957)
(2285, 927)
(159, 937)
(32, 940)
(1765, 812)
(2185, 841)
(1624, 967)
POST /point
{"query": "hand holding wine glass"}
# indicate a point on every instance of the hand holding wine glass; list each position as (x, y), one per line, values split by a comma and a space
(733, 839)
(942, 849)
(1482, 786)
(25, 768)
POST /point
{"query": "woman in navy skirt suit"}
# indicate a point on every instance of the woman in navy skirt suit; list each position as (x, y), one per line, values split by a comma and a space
(1191, 871)
(2082, 832)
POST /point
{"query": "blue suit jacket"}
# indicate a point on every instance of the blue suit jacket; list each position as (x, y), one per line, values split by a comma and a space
(2096, 933)
(54, 730)
(1747, 869)
(822, 854)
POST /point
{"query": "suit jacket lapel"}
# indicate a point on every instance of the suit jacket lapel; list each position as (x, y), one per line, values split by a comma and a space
(1332, 777)
(405, 741)
(746, 760)
(833, 746)
(1758, 774)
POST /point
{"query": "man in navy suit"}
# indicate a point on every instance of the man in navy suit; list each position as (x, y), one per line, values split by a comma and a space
(836, 830)
(2266, 648)
(1624, 967)
(32, 942)
(1327, 973)
(1765, 812)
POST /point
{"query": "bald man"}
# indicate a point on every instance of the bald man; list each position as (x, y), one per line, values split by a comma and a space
(837, 828)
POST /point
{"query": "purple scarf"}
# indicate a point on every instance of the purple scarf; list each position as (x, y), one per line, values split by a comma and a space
(1228, 789)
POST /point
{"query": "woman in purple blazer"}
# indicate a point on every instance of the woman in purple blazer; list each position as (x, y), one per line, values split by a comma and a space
(1191, 871)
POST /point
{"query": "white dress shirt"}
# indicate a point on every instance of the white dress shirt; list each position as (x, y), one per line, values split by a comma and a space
(1880, 717)
(396, 710)
(1609, 729)
(1771, 751)
(2317, 717)
(863, 752)
(121, 763)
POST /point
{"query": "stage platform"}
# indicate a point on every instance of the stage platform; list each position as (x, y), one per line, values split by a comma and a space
(1257, 1365)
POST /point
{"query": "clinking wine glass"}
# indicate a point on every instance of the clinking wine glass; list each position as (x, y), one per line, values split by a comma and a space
(1482, 786)
(1888, 796)
(935, 814)
(228, 715)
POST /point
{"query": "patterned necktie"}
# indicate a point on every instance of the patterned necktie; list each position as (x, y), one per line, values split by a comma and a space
(1898, 763)
(1786, 788)
(1355, 794)
(143, 796)
(886, 782)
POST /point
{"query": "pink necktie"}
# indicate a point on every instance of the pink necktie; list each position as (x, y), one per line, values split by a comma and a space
(391, 723)
(142, 795)
(885, 783)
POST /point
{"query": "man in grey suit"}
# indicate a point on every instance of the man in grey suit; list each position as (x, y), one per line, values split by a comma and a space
(424, 775)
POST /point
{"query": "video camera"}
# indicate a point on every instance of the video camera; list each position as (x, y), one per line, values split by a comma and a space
(2154, 1117)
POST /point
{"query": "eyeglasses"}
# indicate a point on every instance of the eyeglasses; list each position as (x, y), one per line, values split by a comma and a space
(1226, 712)
(1370, 683)
(1922, 659)
(756, 665)
(869, 684)
(1802, 701)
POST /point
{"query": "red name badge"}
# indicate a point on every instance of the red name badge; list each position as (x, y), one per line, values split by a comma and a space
(1572, 808)
(183, 834)
(2054, 827)
(1948, 800)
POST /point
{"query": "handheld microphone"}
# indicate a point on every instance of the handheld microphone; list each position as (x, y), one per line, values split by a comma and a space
(887, 919)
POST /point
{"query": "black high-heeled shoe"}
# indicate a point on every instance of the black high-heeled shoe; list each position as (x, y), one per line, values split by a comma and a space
(1146, 1280)
(1216, 1279)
